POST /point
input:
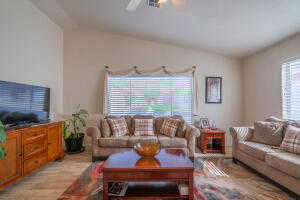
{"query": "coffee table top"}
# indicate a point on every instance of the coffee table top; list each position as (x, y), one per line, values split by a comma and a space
(166, 159)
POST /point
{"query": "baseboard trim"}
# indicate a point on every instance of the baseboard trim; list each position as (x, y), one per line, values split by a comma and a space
(289, 192)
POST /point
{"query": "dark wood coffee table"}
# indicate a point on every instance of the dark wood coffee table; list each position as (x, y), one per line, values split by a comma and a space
(149, 178)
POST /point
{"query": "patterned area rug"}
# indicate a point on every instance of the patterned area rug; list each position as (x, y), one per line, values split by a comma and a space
(215, 179)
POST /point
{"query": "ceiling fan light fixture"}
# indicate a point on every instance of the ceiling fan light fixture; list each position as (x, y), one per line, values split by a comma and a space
(162, 1)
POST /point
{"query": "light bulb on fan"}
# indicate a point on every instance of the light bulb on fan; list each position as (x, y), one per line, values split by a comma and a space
(162, 1)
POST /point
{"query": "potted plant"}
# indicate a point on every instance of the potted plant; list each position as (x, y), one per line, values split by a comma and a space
(2, 140)
(73, 131)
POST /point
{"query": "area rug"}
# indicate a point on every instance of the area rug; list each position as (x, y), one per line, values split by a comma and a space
(215, 179)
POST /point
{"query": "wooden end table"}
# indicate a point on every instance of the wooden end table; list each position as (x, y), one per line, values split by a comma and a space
(212, 141)
(149, 178)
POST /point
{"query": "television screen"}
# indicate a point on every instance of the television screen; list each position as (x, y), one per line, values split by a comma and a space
(23, 104)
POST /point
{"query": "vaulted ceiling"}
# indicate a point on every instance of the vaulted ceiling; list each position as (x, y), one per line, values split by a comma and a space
(236, 28)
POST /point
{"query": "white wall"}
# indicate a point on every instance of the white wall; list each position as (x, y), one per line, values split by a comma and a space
(87, 51)
(262, 79)
(31, 48)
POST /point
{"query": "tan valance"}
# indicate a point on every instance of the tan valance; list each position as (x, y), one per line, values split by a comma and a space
(161, 71)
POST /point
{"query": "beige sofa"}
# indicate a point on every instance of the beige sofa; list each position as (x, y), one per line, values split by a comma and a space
(278, 165)
(103, 146)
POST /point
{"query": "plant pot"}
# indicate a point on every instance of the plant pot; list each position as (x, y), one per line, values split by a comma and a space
(74, 144)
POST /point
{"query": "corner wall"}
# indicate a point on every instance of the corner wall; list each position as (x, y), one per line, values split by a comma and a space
(31, 49)
(87, 51)
(262, 80)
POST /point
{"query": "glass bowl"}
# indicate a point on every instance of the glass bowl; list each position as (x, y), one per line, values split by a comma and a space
(147, 149)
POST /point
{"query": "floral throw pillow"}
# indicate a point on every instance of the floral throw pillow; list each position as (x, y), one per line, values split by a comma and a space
(169, 127)
(143, 127)
(118, 126)
(291, 141)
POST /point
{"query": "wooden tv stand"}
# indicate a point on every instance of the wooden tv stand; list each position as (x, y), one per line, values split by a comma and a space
(29, 149)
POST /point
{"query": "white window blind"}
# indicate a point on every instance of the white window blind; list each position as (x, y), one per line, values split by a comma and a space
(157, 96)
(291, 90)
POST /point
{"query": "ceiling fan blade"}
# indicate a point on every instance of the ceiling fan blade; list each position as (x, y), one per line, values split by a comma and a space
(133, 4)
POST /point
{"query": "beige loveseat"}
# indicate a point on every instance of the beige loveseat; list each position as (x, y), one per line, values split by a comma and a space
(276, 164)
(103, 145)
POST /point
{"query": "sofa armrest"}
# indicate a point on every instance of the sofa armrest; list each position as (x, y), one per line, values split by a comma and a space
(239, 134)
(191, 134)
(94, 133)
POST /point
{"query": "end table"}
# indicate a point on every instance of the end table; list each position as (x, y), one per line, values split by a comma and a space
(212, 141)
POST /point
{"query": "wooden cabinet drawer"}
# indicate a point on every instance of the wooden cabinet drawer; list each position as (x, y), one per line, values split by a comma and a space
(35, 163)
(34, 134)
(34, 148)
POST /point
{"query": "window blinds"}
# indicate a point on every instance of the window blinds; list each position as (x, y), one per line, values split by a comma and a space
(291, 90)
(150, 95)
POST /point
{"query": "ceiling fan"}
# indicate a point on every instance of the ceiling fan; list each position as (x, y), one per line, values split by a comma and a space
(133, 4)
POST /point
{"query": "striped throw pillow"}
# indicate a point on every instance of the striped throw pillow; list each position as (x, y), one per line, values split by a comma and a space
(143, 127)
(291, 141)
(169, 127)
(118, 126)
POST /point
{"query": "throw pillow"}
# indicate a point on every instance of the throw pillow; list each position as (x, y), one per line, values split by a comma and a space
(270, 133)
(118, 126)
(143, 127)
(182, 126)
(169, 127)
(141, 117)
(291, 141)
(105, 129)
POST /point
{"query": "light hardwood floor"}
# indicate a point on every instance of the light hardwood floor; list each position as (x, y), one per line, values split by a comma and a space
(49, 182)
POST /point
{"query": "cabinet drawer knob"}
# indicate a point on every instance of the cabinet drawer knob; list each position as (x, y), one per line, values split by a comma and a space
(36, 161)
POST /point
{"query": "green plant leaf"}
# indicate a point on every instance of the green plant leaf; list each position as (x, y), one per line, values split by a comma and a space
(2, 134)
(76, 123)
(2, 152)
(83, 122)
(66, 131)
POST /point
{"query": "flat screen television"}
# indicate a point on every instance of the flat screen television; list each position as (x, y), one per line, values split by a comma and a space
(22, 104)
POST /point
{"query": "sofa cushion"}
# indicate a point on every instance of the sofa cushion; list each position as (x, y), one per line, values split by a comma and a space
(270, 133)
(143, 127)
(181, 128)
(158, 123)
(105, 129)
(288, 163)
(175, 142)
(136, 139)
(169, 127)
(291, 141)
(121, 141)
(285, 122)
(128, 120)
(257, 150)
(118, 126)
(142, 117)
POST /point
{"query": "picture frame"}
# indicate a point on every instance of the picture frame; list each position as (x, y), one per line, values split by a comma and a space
(213, 90)
(204, 123)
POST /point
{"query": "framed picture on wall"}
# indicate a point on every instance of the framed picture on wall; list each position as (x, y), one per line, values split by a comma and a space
(213, 90)
(204, 123)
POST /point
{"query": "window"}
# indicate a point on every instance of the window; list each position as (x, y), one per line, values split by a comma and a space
(291, 90)
(148, 95)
